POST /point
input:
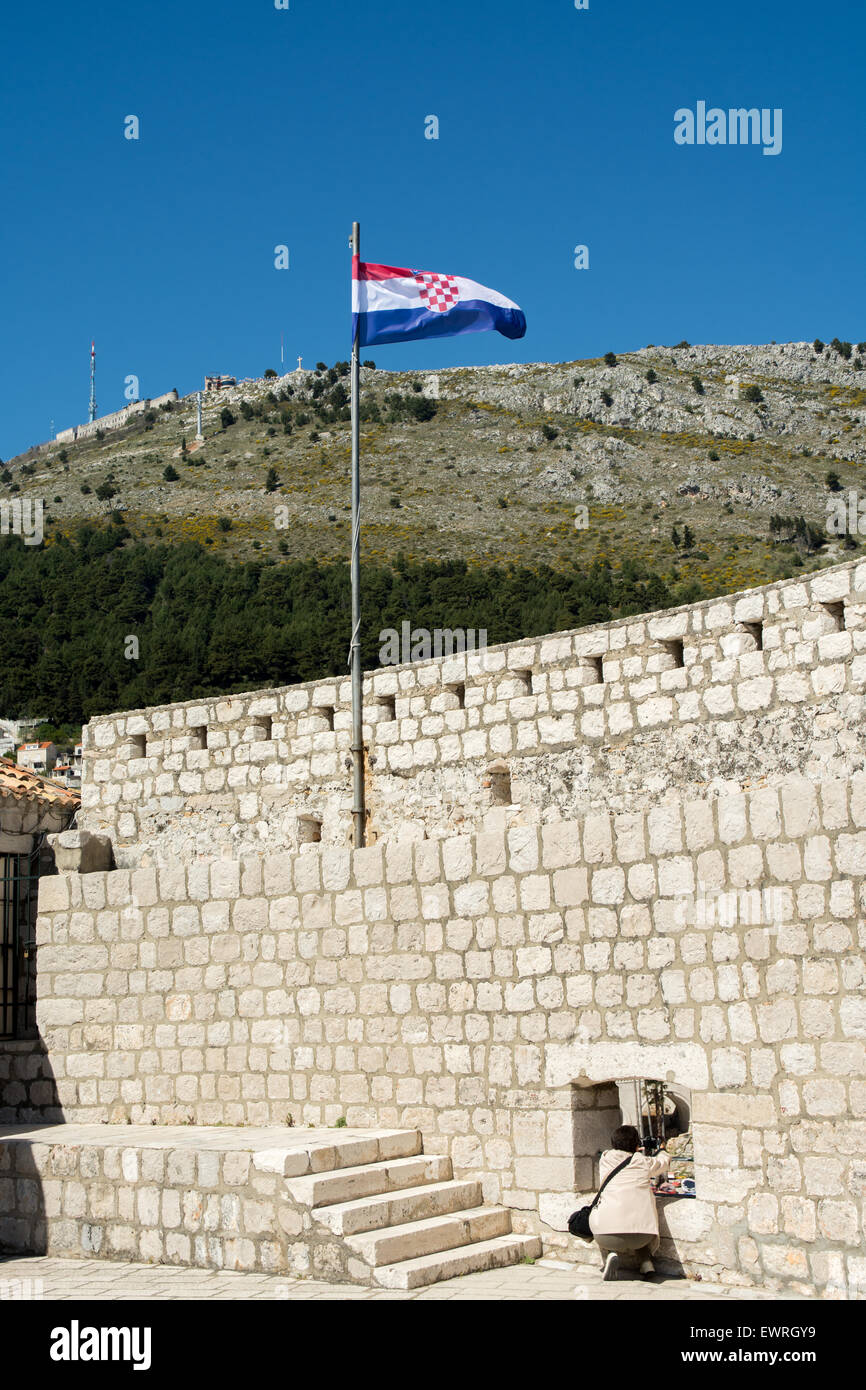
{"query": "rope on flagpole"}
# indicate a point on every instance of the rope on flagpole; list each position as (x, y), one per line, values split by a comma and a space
(355, 640)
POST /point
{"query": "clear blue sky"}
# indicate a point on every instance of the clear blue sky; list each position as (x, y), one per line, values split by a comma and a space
(262, 126)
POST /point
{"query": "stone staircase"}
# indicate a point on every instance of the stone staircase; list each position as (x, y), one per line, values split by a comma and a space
(363, 1206)
(402, 1215)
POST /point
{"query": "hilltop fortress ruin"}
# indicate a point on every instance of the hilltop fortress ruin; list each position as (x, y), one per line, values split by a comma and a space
(632, 851)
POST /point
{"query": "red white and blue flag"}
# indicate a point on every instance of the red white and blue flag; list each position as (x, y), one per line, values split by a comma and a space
(393, 305)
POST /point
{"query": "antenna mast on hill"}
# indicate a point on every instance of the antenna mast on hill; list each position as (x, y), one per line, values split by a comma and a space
(92, 414)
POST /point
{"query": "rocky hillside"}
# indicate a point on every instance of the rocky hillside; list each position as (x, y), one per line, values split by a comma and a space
(680, 456)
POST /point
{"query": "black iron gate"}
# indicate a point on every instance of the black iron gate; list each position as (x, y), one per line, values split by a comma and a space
(18, 889)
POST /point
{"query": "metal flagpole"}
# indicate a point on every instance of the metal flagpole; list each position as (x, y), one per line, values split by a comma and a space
(358, 808)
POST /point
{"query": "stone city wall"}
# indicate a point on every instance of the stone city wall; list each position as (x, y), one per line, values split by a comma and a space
(765, 683)
(115, 421)
(489, 988)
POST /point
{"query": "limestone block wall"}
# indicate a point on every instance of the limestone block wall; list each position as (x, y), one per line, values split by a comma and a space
(490, 988)
(769, 682)
(27, 1091)
(113, 421)
(158, 1201)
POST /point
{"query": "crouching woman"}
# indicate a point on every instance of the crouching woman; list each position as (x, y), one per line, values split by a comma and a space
(625, 1219)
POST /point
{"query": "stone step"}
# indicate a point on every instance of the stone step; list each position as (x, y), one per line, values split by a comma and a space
(349, 1151)
(448, 1264)
(397, 1208)
(416, 1238)
(348, 1184)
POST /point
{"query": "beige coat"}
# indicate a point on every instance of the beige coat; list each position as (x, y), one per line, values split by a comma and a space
(628, 1202)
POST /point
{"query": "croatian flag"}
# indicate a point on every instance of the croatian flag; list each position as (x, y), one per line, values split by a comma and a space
(393, 305)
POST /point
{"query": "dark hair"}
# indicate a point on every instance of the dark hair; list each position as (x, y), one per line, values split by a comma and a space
(625, 1138)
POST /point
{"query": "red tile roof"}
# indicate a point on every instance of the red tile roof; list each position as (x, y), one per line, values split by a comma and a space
(20, 783)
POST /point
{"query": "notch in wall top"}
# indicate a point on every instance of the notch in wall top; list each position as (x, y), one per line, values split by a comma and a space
(836, 610)
(309, 829)
(325, 712)
(498, 780)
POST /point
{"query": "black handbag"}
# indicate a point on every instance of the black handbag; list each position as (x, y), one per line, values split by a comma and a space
(578, 1222)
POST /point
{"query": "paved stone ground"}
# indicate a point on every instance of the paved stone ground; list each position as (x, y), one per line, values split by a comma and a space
(74, 1280)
